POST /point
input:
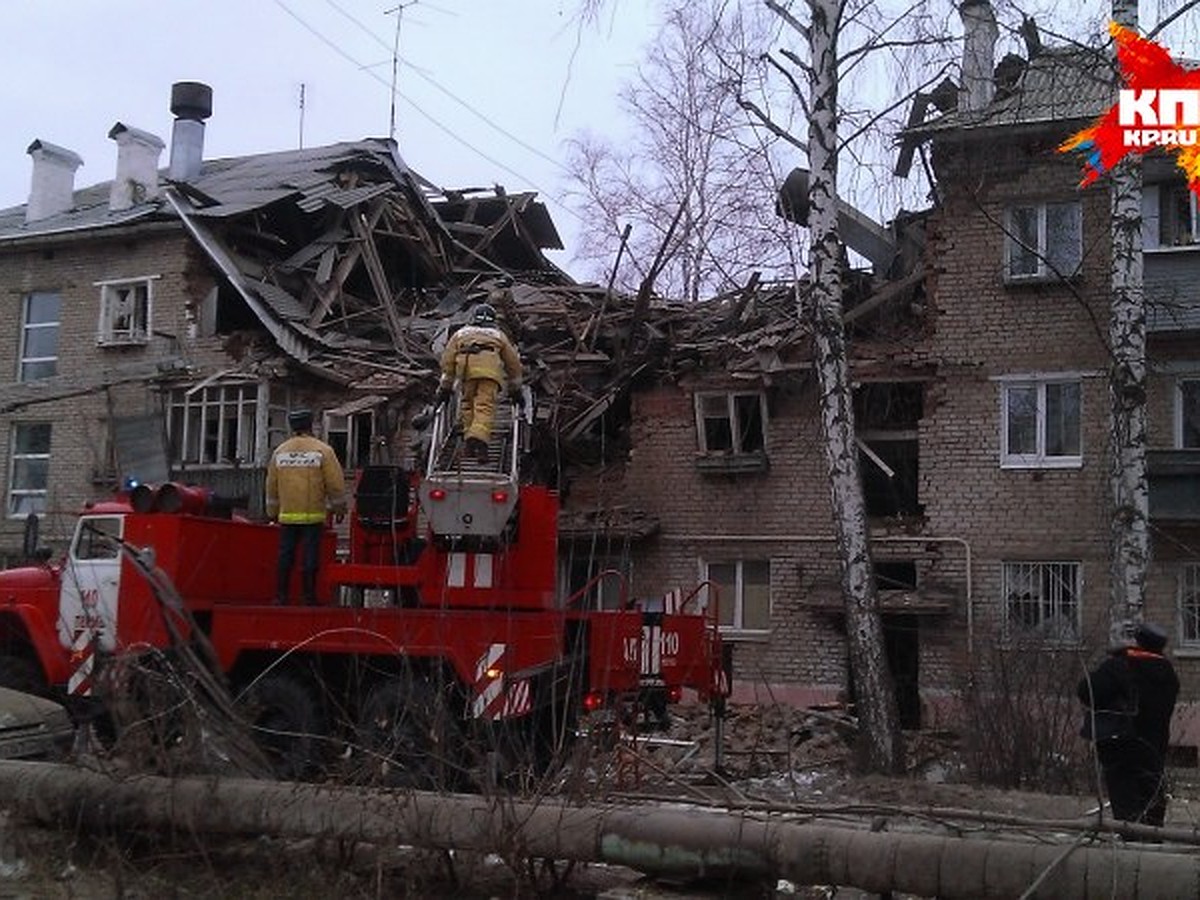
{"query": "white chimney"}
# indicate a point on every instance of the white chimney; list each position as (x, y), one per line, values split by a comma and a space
(979, 55)
(191, 102)
(137, 166)
(52, 189)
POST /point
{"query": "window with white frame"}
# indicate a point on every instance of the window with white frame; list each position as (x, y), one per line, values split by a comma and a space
(1170, 216)
(125, 308)
(731, 423)
(1042, 600)
(742, 593)
(39, 336)
(214, 425)
(1189, 604)
(1187, 413)
(1044, 240)
(29, 468)
(1040, 423)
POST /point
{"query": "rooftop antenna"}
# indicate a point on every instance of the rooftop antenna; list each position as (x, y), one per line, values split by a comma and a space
(302, 115)
(399, 11)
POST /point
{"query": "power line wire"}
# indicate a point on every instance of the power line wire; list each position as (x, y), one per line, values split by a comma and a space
(461, 102)
(428, 117)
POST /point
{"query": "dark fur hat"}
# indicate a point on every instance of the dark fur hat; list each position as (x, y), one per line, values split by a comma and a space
(1150, 637)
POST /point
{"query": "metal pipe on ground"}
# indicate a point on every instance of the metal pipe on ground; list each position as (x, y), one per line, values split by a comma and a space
(659, 840)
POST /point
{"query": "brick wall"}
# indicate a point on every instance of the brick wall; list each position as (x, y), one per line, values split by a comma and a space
(79, 439)
(985, 331)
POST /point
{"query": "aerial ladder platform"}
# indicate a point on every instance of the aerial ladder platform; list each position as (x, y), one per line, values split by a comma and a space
(464, 498)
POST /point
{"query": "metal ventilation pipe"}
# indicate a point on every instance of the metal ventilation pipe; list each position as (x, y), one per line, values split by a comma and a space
(191, 103)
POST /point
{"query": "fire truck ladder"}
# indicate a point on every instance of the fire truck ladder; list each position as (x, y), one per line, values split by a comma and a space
(465, 497)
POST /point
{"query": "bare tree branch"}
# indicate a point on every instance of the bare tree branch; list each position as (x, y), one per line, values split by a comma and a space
(1186, 7)
(781, 11)
(874, 120)
(771, 125)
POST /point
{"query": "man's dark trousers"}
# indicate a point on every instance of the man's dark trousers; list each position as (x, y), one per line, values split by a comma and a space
(308, 537)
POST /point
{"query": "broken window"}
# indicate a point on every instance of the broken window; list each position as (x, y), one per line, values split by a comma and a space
(1189, 603)
(1170, 216)
(214, 425)
(39, 336)
(731, 423)
(595, 580)
(742, 591)
(1040, 424)
(349, 433)
(124, 312)
(29, 469)
(1044, 240)
(895, 575)
(886, 416)
(1041, 600)
(1187, 414)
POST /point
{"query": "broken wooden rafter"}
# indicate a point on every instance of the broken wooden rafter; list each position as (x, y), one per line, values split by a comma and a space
(375, 272)
(327, 294)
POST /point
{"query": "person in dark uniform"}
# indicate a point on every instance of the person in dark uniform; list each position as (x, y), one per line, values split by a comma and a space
(1130, 698)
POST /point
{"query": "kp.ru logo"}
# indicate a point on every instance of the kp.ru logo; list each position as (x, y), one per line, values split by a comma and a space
(1160, 107)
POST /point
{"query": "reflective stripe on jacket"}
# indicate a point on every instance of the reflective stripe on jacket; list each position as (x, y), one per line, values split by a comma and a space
(480, 351)
(304, 481)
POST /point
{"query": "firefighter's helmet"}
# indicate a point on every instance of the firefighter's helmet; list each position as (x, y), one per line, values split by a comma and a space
(300, 420)
(485, 314)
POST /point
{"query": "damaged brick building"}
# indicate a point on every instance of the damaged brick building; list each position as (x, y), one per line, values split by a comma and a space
(164, 324)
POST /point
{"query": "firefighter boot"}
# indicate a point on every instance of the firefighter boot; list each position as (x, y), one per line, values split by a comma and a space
(309, 588)
(281, 589)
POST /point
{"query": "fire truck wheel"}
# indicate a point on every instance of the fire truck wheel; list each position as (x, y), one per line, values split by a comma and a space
(19, 674)
(408, 736)
(287, 723)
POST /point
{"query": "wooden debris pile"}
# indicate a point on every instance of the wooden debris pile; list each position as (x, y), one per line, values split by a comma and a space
(359, 269)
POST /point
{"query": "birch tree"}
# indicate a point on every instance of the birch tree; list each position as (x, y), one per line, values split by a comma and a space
(819, 303)
(1127, 390)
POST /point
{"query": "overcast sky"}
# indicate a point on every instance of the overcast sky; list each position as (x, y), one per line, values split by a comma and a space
(488, 90)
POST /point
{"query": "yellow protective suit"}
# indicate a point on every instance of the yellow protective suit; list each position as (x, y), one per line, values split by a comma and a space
(304, 482)
(481, 358)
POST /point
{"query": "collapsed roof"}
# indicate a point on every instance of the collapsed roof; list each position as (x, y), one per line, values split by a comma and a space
(355, 266)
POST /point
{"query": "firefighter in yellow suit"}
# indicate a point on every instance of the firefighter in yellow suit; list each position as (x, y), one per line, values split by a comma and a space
(481, 358)
(305, 481)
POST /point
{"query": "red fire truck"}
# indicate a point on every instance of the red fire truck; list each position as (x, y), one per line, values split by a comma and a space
(438, 630)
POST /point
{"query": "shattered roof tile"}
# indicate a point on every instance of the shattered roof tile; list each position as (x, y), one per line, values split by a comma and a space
(1061, 84)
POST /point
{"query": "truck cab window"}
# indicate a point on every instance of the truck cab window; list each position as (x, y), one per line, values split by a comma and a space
(95, 538)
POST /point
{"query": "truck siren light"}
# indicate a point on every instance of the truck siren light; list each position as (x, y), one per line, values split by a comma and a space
(437, 494)
(592, 701)
(499, 496)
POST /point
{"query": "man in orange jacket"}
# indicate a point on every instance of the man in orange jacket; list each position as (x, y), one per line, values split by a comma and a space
(481, 358)
(304, 482)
